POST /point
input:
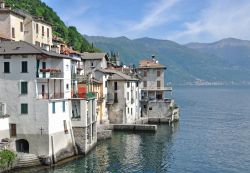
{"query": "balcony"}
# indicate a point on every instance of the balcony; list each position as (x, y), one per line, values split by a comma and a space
(165, 88)
(88, 95)
(91, 95)
(51, 96)
(50, 73)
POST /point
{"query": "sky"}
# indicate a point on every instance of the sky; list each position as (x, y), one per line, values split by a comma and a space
(182, 21)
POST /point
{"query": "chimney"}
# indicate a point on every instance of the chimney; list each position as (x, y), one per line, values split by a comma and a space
(153, 58)
(2, 4)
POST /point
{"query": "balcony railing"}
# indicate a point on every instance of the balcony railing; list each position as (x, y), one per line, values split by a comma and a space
(88, 95)
(50, 73)
(165, 88)
(51, 96)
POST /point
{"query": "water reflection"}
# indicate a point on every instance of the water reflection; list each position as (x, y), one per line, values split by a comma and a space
(128, 152)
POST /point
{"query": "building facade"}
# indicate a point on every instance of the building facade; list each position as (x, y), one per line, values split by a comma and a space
(36, 88)
(17, 25)
(122, 98)
(153, 90)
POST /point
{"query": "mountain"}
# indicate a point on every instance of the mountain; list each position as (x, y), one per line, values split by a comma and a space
(184, 62)
(68, 34)
(235, 51)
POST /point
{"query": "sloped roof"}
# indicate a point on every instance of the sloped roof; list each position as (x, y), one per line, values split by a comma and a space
(24, 48)
(150, 63)
(117, 75)
(93, 56)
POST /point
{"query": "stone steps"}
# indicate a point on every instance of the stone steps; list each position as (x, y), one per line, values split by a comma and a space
(27, 160)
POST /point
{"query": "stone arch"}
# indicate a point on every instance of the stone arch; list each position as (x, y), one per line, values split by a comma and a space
(22, 145)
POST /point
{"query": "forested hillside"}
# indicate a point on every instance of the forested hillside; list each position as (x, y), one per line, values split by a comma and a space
(69, 34)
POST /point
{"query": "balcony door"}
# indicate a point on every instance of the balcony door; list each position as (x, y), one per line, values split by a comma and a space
(43, 90)
(44, 67)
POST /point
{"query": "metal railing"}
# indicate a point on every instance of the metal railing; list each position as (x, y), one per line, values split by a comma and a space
(51, 96)
(165, 88)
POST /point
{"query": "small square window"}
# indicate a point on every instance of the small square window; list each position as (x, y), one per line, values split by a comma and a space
(150, 108)
(24, 108)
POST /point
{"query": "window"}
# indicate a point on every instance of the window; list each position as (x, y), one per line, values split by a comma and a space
(115, 86)
(53, 107)
(65, 126)
(127, 95)
(131, 110)
(42, 30)
(47, 32)
(12, 130)
(24, 87)
(92, 64)
(24, 67)
(159, 95)
(115, 97)
(158, 73)
(137, 84)
(24, 108)
(158, 84)
(145, 73)
(21, 26)
(127, 84)
(2, 109)
(145, 84)
(13, 32)
(37, 28)
(128, 110)
(63, 106)
(150, 108)
(6, 67)
(106, 84)
(37, 43)
(67, 86)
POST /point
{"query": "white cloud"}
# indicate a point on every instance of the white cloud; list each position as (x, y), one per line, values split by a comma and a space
(155, 15)
(221, 19)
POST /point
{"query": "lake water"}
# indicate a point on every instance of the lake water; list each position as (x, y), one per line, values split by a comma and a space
(213, 135)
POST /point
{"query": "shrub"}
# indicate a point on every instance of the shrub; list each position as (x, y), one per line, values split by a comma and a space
(7, 157)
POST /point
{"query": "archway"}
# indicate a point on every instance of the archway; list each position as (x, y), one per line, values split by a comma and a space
(22, 145)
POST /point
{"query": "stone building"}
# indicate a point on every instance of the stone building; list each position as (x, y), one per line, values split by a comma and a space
(122, 98)
(84, 122)
(35, 87)
(153, 90)
(18, 25)
(91, 61)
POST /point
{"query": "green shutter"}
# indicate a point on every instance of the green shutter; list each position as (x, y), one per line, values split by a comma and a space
(24, 87)
(24, 108)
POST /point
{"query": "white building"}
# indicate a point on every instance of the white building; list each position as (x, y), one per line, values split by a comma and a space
(84, 123)
(35, 86)
(4, 122)
(122, 98)
(17, 25)
(153, 90)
